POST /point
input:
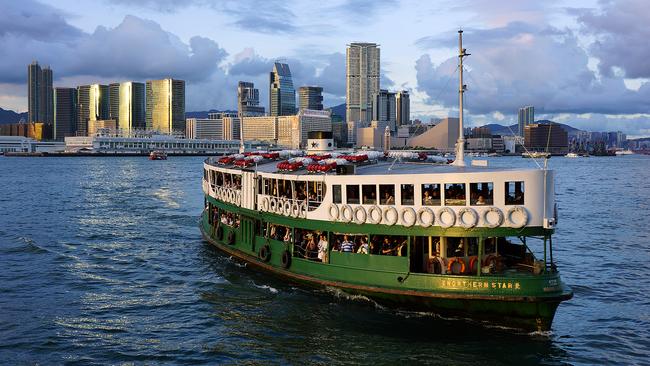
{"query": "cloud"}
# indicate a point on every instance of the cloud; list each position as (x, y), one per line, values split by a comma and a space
(35, 21)
(622, 32)
(523, 64)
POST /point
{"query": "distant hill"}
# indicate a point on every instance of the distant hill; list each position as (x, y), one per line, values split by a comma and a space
(204, 114)
(8, 116)
(339, 110)
(513, 129)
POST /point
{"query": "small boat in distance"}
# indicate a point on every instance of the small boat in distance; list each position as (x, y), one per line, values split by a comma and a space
(536, 155)
(158, 155)
(572, 155)
(624, 152)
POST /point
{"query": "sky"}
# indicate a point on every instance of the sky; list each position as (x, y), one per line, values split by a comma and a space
(582, 62)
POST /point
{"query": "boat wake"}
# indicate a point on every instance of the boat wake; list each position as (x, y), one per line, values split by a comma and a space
(340, 294)
(272, 290)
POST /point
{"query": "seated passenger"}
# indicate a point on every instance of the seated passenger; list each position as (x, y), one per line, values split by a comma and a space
(363, 248)
(388, 199)
(480, 200)
(427, 199)
(322, 248)
(347, 245)
(312, 248)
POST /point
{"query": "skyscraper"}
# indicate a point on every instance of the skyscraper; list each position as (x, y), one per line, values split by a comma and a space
(40, 94)
(65, 112)
(526, 117)
(362, 80)
(92, 105)
(311, 97)
(282, 95)
(127, 105)
(383, 106)
(248, 100)
(166, 105)
(403, 110)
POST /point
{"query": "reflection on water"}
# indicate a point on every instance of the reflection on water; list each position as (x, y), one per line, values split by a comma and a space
(102, 262)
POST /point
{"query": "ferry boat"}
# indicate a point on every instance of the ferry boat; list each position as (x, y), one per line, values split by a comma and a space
(406, 229)
(158, 155)
(535, 155)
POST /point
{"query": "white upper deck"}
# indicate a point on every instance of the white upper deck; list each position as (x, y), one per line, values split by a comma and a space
(388, 191)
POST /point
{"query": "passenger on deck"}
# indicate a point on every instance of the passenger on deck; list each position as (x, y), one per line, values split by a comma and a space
(387, 247)
(363, 247)
(388, 199)
(347, 245)
(322, 248)
(481, 201)
(427, 199)
(312, 248)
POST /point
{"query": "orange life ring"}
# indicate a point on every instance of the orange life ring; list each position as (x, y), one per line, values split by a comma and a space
(472, 264)
(454, 260)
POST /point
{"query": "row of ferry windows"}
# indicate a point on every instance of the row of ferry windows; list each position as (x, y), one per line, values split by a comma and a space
(455, 194)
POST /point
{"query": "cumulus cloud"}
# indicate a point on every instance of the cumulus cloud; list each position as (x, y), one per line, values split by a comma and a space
(523, 64)
(622, 32)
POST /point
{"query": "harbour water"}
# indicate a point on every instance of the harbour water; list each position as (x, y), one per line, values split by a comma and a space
(101, 262)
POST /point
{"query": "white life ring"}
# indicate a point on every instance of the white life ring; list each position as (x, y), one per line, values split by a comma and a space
(446, 224)
(408, 211)
(374, 214)
(524, 217)
(286, 208)
(359, 220)
(295, 209)
(464, 212)
(486, 219)
(428, 221)
(265, 204)
(346, 217)
(390, 220)
(273, 204)
(333, 212)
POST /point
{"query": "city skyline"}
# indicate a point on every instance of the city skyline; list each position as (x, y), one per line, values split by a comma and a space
(566, 75)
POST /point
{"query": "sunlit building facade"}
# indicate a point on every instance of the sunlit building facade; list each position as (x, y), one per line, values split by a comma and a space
(311, 97)
(128, 105)
(92, 105)
(165, 105)
(248, 100)
(403, 108)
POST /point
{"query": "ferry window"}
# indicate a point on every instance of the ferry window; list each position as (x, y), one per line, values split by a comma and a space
(514, 193)
(352, 193)
(386, 194)
(316, 194)
(336, 194)
(431, 194)
(455, 194)
(266, 186)
(408, 194)
(284, 188)
(369, 194)
(481, 193)
(456, 247)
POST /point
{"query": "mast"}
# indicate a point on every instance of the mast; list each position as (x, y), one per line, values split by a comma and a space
(460, 144)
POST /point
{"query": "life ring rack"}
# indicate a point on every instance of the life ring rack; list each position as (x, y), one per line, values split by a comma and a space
(493, 224)
(522, 211)
(461, 217)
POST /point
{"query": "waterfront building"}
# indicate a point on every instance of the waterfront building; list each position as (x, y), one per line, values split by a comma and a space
(248, 100)
(107, 144)
(204, 128)
(340, 133)
(92, 105)
(24, 144)
(127, 105)
(264, 128)
(480, 132)
(282, 95)
(102, 127)
(526, 116)
(403, 108)
(35, 130)
(384, 108)
(65, 112)
(40, 94)
(311, 97)
(231, 127)
(546, 137)
(220, 115)
(165, 111)
(293, 131)
(362, 80)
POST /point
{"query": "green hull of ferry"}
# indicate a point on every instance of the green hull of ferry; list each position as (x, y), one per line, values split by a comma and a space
(518, 300)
